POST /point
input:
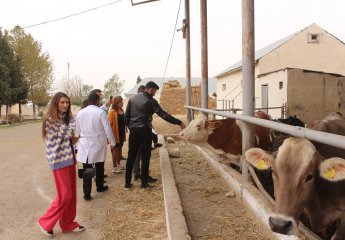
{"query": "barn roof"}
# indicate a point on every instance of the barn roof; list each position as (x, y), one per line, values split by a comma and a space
(212, 87)
(262, 52)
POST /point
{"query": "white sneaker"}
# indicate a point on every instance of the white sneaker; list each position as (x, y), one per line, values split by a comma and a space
(117, 170)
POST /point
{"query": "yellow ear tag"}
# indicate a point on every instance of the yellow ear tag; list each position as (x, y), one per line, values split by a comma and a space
(330, 174)
(261, 165)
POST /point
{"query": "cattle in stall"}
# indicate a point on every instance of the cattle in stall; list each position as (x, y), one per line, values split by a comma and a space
(303, 181)
(224, 135)
(292, 120)
(333, 123)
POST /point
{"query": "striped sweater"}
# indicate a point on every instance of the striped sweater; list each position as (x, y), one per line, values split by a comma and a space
(58, 148)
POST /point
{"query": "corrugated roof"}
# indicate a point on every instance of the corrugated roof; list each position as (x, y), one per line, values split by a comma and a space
(212, 87)
(260, 53)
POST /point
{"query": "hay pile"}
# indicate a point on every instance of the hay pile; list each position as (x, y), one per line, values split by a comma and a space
(173, 98)
(210, 214)
(137, 213)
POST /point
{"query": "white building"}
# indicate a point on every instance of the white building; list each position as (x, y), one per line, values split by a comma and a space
(312, 49)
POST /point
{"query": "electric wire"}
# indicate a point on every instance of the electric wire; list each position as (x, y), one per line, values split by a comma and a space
(172, 41)
(72, 15)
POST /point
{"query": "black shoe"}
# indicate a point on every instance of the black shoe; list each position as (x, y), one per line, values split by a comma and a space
(146, 186)
(103, 189)
(79, 229)
(157, 145)
(128, 187)
(137, 176)
(87, 198)
(123, 158)
(151, 179)
(48, 233)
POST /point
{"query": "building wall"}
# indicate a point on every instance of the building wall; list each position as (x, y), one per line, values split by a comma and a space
(233, 82)
(326, 56)
(313, 95)
(276, 96)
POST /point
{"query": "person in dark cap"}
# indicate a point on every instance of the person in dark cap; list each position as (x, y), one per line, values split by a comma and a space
(138, 118)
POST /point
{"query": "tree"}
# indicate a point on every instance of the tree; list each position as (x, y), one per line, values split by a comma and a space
(37, 67)
(13, 88)
(4, 71)
(75, 89)
(139, 79)
(113, 87)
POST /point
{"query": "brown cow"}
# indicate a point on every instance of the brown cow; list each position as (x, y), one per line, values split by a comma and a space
(333, 123)
(224, 136)
(303, 181)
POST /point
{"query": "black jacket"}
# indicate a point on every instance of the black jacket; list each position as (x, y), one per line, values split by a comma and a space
(140, 109)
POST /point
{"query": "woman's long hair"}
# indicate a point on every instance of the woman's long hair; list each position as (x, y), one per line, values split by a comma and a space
(115, 103)
(53, 112)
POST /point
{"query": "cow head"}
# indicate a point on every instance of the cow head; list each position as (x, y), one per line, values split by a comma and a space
(198, 130)
(294, 171)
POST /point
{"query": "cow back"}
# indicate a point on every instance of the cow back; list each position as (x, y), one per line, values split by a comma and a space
(333, 123)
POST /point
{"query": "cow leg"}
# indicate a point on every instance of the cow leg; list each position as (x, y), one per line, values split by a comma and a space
(340, 233)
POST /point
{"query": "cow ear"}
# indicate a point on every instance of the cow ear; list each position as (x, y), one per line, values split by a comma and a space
(259, 158)
(213, 124)
(333, 169)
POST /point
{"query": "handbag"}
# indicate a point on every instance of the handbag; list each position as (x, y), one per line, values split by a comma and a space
(86, 173)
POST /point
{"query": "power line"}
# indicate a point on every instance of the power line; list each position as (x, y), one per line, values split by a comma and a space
(72, 15)
(172, 41)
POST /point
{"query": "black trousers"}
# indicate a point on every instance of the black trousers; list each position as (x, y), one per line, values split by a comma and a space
(140, 139)
(99, 177)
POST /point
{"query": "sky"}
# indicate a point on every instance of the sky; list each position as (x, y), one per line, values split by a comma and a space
(135, 40)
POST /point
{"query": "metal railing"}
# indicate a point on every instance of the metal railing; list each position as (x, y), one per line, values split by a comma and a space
(322, 137)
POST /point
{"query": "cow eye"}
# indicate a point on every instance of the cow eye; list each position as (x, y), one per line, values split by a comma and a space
(198, 127)
(308, 178)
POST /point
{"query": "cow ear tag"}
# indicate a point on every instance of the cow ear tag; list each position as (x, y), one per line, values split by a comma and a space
(330, 174)
(261, 164)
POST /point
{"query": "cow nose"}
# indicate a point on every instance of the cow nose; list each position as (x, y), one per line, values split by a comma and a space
(280, 225)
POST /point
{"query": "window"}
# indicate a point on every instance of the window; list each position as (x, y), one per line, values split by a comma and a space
(280, 85)
(223, 87)
(313, 38)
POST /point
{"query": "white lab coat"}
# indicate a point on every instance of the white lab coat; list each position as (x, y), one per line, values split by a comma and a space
(93, 128)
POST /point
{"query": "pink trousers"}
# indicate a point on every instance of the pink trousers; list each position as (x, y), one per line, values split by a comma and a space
(64, 206)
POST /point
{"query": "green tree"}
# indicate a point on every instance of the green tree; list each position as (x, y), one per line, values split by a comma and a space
(13, 88)
(4, 72)
(139, 79)
(37, 67)
(113, 87)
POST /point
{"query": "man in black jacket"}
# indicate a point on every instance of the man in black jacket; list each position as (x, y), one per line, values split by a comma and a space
(138, 118)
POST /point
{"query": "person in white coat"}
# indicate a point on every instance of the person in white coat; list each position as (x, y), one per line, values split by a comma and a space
(93, 129)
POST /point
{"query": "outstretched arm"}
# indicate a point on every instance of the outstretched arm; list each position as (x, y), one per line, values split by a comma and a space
(164, 115)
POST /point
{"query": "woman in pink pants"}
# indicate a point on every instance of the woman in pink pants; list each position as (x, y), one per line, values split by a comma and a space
(58, 130)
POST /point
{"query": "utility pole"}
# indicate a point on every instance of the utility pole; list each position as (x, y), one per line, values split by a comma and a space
(204, 57)
(248, 76)
(186, 35)
(68, 71)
